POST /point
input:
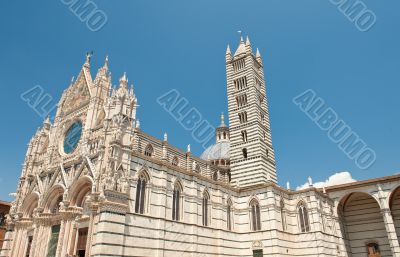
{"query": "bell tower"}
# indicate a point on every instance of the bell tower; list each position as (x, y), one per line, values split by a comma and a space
(252, 159)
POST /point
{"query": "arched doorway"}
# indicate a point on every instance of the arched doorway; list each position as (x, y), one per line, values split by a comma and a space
(395, 209)
(363, 227)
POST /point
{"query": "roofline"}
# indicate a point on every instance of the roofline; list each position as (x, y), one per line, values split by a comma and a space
(363, 183)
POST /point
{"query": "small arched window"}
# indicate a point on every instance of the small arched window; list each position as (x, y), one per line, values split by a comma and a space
(148, 151)
(255, 215)
(176, 202)
(303, 218)
(140, 194)
(197, 168)
(229, 215)
(215, 176)
(175, 161)
(206, 199)
(244, 150)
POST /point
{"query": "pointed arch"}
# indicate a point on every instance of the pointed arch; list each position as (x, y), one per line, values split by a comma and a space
(79, 190)
(141, 191)
(303, 217)
(177, 201)
(175, 161)
(29, 204)
(149, 150)
(53, 199)
(255, 215)
(206, 208)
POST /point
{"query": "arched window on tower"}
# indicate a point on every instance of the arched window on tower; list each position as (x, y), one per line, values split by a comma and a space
(176, 202)
(244, 150)
(255, 215)
(206, 199)
(303, 218)
(148, 151)
(141, 194)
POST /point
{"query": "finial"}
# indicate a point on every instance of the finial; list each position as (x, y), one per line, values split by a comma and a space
(222, 117)
(188, 148)
(165, 137)
(310, 183)
(88, 57)
(288, 185)
(72, 80)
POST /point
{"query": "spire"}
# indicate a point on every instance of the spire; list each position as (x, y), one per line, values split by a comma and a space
(248, 41)
(258, 56)
(228, 50)
(241, 48)
(228, 54)
(165, 137)
(106, 62)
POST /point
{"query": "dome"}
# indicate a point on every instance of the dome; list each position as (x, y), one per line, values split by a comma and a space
(218, 151)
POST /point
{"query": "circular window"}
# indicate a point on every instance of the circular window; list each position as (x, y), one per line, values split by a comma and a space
(72, 137)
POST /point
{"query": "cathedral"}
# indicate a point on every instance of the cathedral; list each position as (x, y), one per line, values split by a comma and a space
(94, 184)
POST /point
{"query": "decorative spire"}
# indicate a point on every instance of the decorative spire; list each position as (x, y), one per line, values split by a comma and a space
(165, 137)
(310, 183)
(106, 62)
(228, 50)
(288, 185)
(123, 81)
(248, 41)
(258, 56)
(188, 148)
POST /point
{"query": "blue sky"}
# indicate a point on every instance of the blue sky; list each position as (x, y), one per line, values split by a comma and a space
(180, 45)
